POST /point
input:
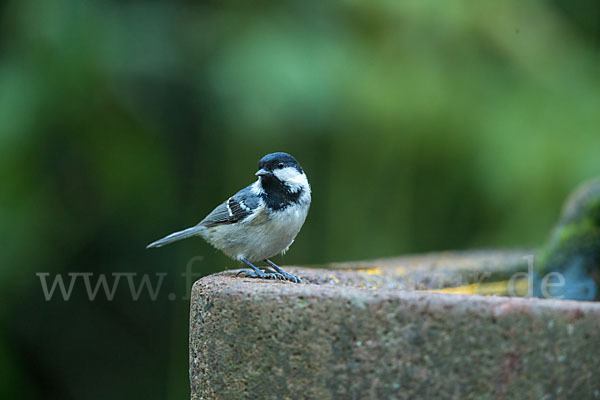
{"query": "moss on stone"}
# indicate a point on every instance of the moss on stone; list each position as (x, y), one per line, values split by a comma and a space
(575, 240)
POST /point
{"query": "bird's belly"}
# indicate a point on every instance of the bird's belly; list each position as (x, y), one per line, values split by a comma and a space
(261, 237)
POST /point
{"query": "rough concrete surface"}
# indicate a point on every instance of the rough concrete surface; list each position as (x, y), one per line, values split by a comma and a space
(342, 339)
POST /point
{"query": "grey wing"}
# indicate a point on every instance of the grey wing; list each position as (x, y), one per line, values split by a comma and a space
(234, 209)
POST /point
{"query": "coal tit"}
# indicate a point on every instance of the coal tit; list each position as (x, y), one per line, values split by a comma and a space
(261, 220)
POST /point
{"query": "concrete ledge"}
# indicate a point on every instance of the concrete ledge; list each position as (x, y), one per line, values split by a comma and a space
(329, 340)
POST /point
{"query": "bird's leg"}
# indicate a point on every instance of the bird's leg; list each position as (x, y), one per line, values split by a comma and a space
(286, 275)
(257, 273)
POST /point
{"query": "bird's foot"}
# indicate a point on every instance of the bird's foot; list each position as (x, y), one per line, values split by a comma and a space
(286, 275)
(275, 273)
(257, 273)
(263, 275)
(268, 270)
(291, 277)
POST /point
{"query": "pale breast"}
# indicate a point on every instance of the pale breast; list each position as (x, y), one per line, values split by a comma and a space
(261, 236)
(275, 233)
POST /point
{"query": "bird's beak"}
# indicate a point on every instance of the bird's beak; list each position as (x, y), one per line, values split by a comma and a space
(263, 172)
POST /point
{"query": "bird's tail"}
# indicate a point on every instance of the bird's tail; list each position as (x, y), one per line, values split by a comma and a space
(173, 237)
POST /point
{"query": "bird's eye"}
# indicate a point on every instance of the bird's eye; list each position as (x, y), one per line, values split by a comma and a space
(280, 165)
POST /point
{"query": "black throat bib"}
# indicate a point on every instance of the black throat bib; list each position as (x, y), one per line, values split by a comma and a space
(277, 195)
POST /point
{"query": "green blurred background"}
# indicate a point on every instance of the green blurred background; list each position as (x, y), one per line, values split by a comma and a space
(422, 126)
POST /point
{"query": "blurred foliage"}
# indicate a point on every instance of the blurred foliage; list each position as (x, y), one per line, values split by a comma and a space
(422, 126)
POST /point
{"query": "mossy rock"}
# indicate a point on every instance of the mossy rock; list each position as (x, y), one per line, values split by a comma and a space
(573, 248)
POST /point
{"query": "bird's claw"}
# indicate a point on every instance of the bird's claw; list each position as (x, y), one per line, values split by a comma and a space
(275, 273)
(291, 277)
(253, 274)
(287, 276)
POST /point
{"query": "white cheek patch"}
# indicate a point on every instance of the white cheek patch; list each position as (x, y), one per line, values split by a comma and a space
(292, 178)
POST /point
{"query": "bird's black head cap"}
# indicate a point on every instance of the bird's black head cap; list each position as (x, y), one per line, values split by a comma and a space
(278, 160)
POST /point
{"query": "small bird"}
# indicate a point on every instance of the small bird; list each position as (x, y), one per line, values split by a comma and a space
(261, 220)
